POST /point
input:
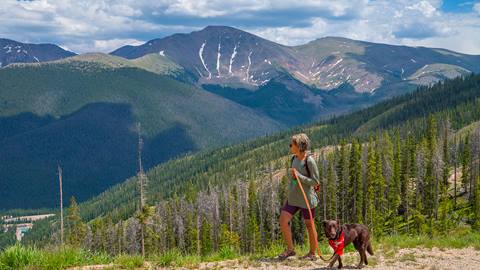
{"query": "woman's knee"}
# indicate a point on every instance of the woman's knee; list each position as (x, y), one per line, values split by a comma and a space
(285, 217)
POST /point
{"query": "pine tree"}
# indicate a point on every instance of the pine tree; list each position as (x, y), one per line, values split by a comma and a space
(229, 239)
(445, 204)
(233, 209)
(446, 155)
(206, 237)
(405, 180)
(331, 188)
(387, 168)
(120, 236)
(99, 232)
(253, 233)
(455, 165)
(356, 187)
(192, 232)
(322, 214)
(342, 190)
(371, 180)
(380, 205)
(76, 228)
(430, 178)
(466, 161)
(476, 208)
(394, 187)
(418, 212)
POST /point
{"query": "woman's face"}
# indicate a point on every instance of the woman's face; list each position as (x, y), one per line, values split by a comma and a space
(294, 148)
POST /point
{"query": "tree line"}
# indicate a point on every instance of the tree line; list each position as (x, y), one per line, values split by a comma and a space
(393, 184)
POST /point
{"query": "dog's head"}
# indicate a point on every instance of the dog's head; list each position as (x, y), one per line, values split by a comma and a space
(331, 228)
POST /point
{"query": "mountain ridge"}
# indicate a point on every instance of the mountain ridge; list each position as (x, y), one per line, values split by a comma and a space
(12, 51)
(211, 55)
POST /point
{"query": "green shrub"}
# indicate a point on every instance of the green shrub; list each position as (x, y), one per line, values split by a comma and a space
(129, 261)
(18, 257)
(227, 253)
(169, 258)
(69, 256)
(26, 257)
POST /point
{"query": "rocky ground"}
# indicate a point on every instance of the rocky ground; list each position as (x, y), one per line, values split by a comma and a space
(411, 258)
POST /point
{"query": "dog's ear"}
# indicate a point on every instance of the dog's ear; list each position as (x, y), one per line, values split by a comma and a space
(338, 223)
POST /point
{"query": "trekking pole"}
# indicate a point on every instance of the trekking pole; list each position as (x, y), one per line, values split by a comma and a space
(311, 219)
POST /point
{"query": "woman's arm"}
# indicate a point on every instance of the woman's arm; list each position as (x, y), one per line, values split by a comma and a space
(315, 178)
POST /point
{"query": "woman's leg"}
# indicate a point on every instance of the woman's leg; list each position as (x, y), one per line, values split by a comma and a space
(312, 236)
(285, 217)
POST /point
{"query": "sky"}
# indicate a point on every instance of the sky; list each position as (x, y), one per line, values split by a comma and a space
(105, 25)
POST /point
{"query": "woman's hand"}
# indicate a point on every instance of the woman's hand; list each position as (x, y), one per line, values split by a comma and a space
(293, 172)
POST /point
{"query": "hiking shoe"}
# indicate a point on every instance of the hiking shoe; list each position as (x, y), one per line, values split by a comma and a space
(309, 257)
(287, 253)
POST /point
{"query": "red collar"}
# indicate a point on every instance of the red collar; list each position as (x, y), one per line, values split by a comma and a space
(338, 244)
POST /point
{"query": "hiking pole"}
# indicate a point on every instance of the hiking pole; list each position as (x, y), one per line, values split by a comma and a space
(311, 218)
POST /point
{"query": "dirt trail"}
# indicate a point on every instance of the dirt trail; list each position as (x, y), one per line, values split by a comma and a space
(411, 258)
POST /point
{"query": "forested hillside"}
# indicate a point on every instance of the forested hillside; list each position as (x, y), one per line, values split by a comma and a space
(405, 166)
(82, 113)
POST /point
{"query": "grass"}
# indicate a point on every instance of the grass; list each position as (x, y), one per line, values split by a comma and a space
(18, 257)
(128, 261)
(28, 258)
(461, 237)
(25, 257)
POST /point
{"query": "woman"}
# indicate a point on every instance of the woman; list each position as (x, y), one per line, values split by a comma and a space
(299, 146)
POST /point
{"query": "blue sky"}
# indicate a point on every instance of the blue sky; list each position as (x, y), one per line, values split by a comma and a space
(104, 25)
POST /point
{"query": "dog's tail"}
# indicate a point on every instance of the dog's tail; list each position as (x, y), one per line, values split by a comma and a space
(369, 248)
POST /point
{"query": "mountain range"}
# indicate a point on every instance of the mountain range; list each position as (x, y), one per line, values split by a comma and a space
(228, 56)
(205, 89)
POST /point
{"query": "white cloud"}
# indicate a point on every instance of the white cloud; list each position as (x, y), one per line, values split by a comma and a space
(101, 25)
(112, 44)
(393, 23)
(425, 7)
(212, 8)
(291, 35)
(476, 8)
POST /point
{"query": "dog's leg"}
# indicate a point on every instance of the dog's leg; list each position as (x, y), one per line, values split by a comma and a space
(340, 264)
(364, 255)
(359, 248)
(334, 259)
(362, 258)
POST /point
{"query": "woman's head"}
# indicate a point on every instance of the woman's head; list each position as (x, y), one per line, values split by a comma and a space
(299, 142)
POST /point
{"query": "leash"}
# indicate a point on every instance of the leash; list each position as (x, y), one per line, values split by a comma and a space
(311, 219)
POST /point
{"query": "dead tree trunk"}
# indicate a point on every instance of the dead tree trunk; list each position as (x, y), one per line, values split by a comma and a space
(61, 203)
(141, 178)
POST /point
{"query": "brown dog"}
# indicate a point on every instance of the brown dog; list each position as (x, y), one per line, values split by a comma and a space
(341, 236)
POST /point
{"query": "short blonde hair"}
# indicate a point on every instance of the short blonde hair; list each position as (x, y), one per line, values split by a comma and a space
(302, 141)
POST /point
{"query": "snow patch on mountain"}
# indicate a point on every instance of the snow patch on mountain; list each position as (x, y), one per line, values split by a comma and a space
(200, 53)
(231, 59)
(249, 64)
(218, 59)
